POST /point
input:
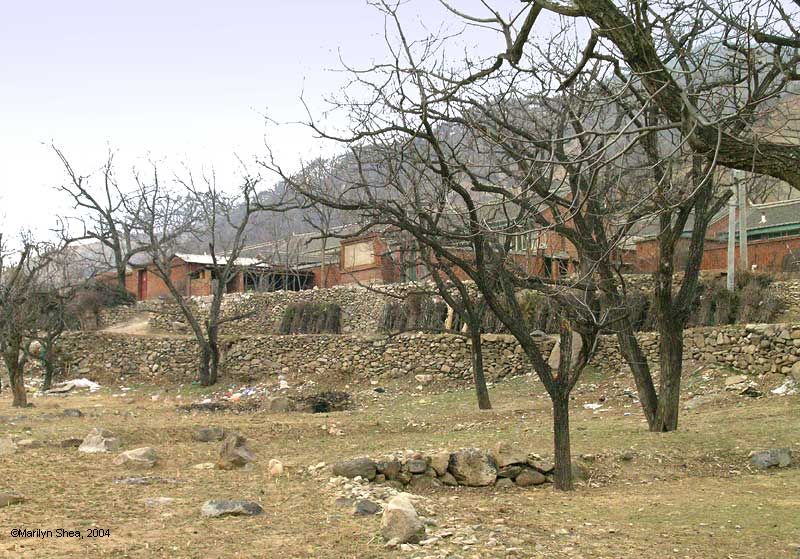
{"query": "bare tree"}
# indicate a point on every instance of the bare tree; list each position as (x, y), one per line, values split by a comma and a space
(19, 275)
(221, 220)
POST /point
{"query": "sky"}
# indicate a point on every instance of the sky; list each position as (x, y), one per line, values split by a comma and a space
(176, 81)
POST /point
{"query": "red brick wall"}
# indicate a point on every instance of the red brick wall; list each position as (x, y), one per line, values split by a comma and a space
(767, 254)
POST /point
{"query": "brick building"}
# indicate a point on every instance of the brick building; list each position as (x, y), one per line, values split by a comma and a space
(773, 241)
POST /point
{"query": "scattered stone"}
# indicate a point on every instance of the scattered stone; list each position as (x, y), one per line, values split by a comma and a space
(363, 467)
(208, 434)
(529, 477)
(772, 458)
(365, 507)
(72, 412)
(29, 443)
(224, 507)
(10, 498)
(234, 453)
(275, 468)
(204, 466)
(138, 458)
(424, 379)
(473, 467)
(99, 440)
(400, 522)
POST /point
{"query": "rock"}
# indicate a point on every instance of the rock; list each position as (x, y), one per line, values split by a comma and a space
(734, 380)
(223, 507)
(29, 443)
(343, 502)
(795, 371)
(544, 466)
(7, 445)
(400, 521)
(10, 498)
(404, 477)
(510, 472)
(234, 453)
(363, 467)
(99, 440)
(72, 412)
(772, 458)
(390, 468)
(72, 442)
(505, 454)
(504, 483)
(279, 404)
(528, 477)
(204, 466)
(275, 468)
(144, 457)
(579, 472)
(417, 466)
(423, 482)
(439, 462)
(208, 434)
(365, 507)
(424, 379)
(473, 467)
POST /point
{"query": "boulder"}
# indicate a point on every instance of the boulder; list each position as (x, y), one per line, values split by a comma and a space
(99, 440)
(473, 467)
(224, 507)
(29, 443)
(234, 453)
(579, 471)
(511, 471)
(389, 468)
(795, 371)
(138, 458)
(528, 477)
(505, 454)
(417, 466)
(363, 467)
(10, 498)
(208, 434)
(504, 483)
(772, 458)
(400, 522)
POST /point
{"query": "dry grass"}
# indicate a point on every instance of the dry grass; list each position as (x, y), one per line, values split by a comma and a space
(684, 494)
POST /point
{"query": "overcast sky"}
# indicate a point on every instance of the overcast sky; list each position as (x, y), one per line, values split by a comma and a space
(174, 80)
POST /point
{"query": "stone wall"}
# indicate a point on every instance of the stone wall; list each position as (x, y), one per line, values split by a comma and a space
(752, 348)
(107, 357)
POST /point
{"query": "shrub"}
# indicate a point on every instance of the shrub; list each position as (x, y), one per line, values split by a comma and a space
(415, 312)
(311, 318)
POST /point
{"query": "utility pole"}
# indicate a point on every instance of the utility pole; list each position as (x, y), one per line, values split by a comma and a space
(742, 184)
(731, 239)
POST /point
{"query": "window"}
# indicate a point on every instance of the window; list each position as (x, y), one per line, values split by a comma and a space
(358, 254)
(563, 268)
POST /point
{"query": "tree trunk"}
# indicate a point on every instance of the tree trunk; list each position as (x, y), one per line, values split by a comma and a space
(213, 373)
(49, 371)
(637, 361)
(205, 365)
(670, 345)
(563, 472)
(478, 377)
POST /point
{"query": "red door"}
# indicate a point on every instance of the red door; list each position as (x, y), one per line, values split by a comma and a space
(141, 285)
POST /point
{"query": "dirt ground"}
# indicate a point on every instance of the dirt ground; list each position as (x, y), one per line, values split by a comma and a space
(688, 494)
